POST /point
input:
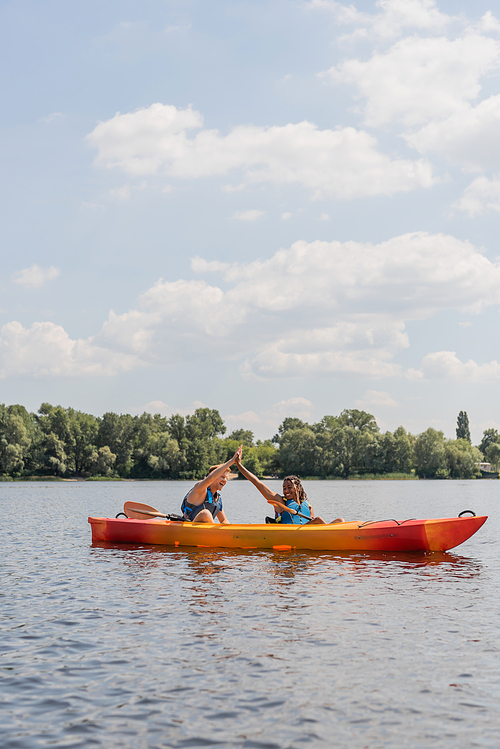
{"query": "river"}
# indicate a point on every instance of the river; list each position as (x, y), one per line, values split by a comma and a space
(150, 647)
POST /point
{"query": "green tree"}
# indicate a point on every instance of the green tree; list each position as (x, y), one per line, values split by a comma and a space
(202, 447)
(75, 430)
(54, 457)
(360, 420)
(461, 459)
(430, 455)
(462, 430)
(102, 462)
(251, 459)
(493, 454)
(291, 422)
(348, 446)
(268, 457)
(489, 436)
(299, 454)
(14, 441)
(403, 457)
(242, 437)
(116, 432)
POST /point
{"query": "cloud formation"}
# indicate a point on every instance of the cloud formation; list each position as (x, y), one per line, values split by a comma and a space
(446, 365)
(34, 277)
(393, 17)
(46, 349)
(343, 163)
(425, 78)
(419, 79)
(481, 195)
(316, 309)
(266, 420)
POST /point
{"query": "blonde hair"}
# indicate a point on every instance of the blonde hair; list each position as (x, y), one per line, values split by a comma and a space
(218, 465)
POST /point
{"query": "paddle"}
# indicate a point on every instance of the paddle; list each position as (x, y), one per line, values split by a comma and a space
(288, 509)
(138, 511)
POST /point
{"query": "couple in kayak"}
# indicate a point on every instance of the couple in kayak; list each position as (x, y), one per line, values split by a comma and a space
(203, 503)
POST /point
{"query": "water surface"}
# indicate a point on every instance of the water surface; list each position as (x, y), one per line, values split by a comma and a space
(122, 646)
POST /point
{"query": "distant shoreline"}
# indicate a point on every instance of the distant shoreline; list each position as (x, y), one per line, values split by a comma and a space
(95, 479)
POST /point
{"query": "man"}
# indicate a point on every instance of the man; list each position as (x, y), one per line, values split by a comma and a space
(202, 504)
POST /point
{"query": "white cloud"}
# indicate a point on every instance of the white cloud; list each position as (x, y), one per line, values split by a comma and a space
(122, 193)
(159, 407)
(199, 265)
(233, 188)
(45, 349)
(429, 83)
(274, 362)
(393, 17)
(446, 365)
(51, 116)
(481, 195)
(488, 23)
(267, 421)
(34, 277)
(376, 398)
(251, 215)
(344, 162)
(469, 137)
(420, 79)
(324, 217)
(315, 309)
(286, 216)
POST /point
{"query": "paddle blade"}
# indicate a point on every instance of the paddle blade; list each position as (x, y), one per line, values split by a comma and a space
(140, 511)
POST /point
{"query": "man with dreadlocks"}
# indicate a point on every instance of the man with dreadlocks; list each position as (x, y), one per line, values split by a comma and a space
(294, 497)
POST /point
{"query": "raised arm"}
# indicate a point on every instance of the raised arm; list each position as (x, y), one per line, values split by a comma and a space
(199, 489)
(266, 492)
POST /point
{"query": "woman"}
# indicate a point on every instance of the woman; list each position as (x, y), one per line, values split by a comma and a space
(294, 497)
(203, 503)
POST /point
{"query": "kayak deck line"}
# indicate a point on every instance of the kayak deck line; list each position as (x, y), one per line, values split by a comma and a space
(436, 534)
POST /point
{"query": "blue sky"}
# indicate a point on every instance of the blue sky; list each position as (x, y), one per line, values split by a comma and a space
(269, 208)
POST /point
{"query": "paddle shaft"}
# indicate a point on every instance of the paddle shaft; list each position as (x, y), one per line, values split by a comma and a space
(152, 514)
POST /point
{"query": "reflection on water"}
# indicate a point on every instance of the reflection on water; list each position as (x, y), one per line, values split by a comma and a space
(140, 646)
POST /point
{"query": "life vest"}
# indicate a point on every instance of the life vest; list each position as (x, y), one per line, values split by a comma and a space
(212, 503)
(286, 517)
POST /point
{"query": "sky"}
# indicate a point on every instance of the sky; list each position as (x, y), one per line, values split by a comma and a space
(272, 208)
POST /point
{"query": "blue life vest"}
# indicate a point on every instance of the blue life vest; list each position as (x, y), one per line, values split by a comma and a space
(212, 503)
(286, 517)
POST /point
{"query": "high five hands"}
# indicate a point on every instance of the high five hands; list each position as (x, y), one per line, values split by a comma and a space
(237, 456)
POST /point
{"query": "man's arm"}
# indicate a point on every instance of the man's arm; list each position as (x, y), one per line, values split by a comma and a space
(221, 517)
(199, 489)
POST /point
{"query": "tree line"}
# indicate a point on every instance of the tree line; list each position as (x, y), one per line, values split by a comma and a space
(65, 443)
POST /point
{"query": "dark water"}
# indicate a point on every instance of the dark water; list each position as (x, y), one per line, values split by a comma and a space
(150, 647)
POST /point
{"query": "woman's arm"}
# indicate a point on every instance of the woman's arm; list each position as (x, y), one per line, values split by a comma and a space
(266, 492)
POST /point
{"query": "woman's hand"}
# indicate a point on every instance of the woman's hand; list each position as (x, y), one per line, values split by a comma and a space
(237, 455)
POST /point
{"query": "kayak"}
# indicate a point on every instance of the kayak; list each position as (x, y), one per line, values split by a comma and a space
(386, 535)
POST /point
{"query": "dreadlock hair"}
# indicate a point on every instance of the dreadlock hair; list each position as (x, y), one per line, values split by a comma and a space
(301, 495)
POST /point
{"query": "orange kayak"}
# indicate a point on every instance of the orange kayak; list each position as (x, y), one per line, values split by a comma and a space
(386, 535)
